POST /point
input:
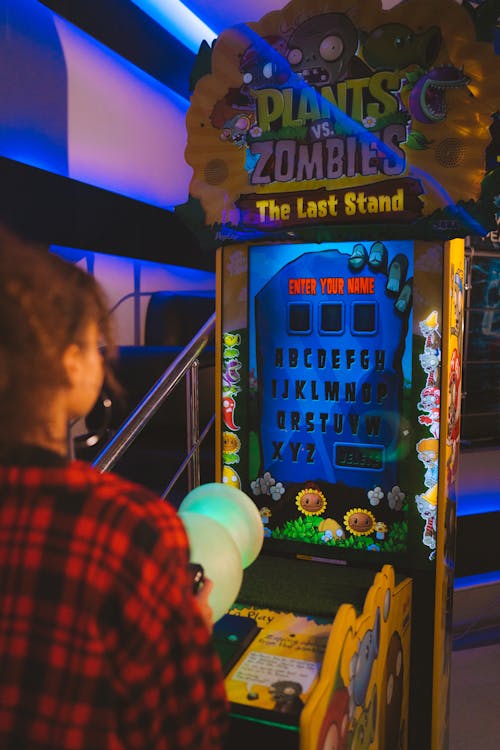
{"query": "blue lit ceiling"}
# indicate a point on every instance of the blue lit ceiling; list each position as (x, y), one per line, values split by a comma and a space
(161, 37)
(92, 125)
(108, 104)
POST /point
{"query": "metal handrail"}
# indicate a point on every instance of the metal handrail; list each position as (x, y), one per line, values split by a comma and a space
(185, 364)
(192, 481)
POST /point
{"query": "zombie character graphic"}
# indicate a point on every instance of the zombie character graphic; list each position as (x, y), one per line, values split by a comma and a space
(263, 64)
(236, 130)
(234, 116)
(427, 507)
(428, 453)
(322, 50)
(430, 399)
(430, 360)
(377, 260)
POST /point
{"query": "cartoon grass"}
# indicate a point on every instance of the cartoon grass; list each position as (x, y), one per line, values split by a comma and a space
(306, 530)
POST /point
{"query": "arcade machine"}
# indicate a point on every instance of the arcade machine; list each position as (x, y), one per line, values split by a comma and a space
(337, 152)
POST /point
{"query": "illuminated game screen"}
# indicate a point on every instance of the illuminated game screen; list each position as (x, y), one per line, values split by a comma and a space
(329, 373)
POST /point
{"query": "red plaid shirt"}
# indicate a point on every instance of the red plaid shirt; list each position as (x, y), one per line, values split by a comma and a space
(102, 646)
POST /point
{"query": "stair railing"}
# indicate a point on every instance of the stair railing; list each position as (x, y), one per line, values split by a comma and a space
(185, 365)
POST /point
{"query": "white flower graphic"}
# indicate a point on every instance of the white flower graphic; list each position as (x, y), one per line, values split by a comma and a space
(395, 498)
(375, 495)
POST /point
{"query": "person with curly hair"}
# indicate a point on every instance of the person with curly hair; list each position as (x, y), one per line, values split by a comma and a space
(103, 644)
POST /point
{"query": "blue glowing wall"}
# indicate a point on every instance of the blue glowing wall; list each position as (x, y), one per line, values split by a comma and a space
(72, 106)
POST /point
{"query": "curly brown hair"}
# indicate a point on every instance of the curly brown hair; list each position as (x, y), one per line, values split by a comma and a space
(46, 304)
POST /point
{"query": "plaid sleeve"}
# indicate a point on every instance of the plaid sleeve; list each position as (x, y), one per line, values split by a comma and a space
(163, 663)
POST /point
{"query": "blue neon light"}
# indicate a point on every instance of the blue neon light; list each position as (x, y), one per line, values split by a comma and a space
(483, 501)
(466, 582)
(178, 21)
(181, 279)
(34, 121)
(33, 116)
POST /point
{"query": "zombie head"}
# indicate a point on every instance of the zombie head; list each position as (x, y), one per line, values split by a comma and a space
(234, 115)
(263, 63)
(236, 129)
(430, 397)
(322, 49)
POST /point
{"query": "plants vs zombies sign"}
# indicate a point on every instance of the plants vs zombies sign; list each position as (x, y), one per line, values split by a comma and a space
(342, 113)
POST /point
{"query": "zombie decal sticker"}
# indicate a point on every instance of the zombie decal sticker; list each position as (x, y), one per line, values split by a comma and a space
(428, 448)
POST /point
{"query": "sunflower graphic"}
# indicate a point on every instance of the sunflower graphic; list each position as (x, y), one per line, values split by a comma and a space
(311, 501)
(359, 521)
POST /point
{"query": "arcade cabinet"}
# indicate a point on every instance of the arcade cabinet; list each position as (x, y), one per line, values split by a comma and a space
(336, 437)
(337, 153)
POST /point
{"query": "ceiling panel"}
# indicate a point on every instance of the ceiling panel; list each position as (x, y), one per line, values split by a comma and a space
(221, 15)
